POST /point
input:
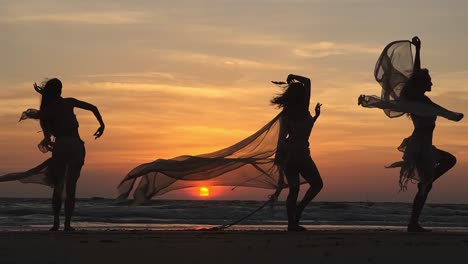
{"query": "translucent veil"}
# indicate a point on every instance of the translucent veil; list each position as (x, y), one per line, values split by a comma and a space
(248, 163)
(40, 173)
(392, 70)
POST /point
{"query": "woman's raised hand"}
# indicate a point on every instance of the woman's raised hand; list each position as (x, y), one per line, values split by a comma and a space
(37, 88)
(99, 132)
(317, 109)
(416, 42)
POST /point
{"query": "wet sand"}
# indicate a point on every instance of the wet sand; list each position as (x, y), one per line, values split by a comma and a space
(232, 247)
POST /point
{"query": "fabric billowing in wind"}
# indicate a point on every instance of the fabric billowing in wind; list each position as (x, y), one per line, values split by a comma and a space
(248, 163)
(392, 70)
(39, 174)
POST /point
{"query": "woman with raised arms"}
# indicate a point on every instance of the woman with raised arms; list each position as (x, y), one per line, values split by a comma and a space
(60, 129)
(404, 90)
(293, 152)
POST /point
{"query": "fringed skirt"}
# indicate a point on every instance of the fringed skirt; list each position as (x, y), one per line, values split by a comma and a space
(420, 158)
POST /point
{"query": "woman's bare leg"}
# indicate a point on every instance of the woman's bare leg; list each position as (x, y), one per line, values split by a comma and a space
(291, 205)
(57, 171)
(56, 205)
(418, 204)
(445, 163)
(311, 174)
(72, 178)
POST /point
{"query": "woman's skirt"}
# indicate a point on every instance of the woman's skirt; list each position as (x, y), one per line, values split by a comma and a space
(420, 158)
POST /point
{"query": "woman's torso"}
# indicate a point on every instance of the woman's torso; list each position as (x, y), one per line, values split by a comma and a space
(63, 120)
(299, 129)
(423, 128)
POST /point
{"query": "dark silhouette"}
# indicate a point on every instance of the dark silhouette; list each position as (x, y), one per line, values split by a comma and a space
(430, 162)
(421, 160)
(58, 120)
(293, 145)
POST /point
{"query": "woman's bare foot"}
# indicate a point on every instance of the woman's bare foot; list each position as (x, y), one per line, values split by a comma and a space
(296, 228)
(69, 229)
(417, 228)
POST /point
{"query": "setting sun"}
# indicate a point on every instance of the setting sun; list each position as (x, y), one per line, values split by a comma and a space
(204, 191)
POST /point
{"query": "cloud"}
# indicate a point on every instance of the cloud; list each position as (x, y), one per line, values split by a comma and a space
(147, 74)
(253, 39)
(325, 49)
(149, 87)
(96, 18)
(221, 61)
(300, 48)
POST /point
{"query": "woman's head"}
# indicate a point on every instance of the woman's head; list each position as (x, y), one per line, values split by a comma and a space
(294, 96)
(51, 91)
(419, 83)
(52, 88)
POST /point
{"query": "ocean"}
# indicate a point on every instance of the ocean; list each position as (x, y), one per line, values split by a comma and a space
(107, 214)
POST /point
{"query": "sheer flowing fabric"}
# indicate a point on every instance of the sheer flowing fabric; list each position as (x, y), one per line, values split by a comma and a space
(40, 173)
(392, 70)
(248, 163)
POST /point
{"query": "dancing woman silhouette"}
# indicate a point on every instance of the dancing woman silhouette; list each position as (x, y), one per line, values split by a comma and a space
(68, 152)
(404, 89)
(293, 146)
(58, 122)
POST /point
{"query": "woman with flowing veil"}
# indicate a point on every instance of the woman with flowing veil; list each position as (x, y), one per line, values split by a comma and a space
(60, 129)
(257, 161)
(404, 85)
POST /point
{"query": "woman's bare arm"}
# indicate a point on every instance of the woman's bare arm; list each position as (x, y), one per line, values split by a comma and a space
(305, 81)
(87, 106)
(417, 59)
(422, 108)
(454, 116)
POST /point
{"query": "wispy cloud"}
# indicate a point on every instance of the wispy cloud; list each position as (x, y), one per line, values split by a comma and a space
(98, 18)
(300, 48)
(221, 61)
(148, 87)
(148, 74)
(325, 49)
(254, 40)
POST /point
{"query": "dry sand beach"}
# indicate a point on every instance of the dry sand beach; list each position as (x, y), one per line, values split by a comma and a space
(232, 247)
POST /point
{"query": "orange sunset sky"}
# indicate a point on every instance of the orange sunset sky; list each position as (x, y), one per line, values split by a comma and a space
(189, 77)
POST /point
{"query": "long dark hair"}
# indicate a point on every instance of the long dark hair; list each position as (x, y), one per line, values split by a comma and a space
(51, 91)
(292, 100)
